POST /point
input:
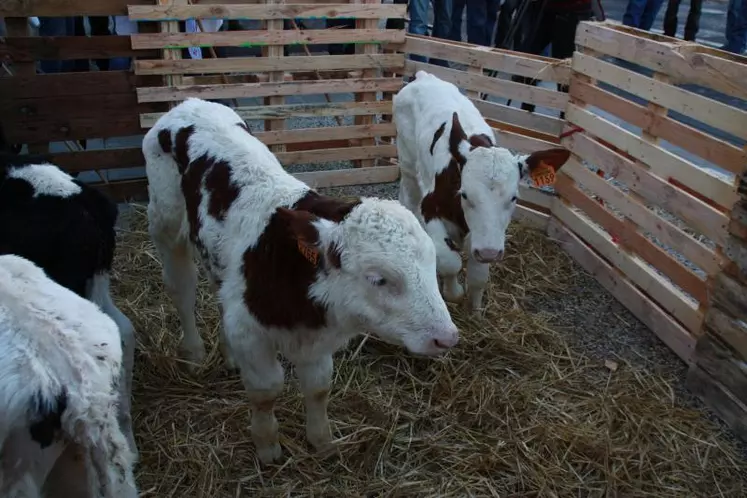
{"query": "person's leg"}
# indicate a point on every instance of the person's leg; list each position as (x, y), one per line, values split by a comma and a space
(504, 24)
(633, 13)
(649, 14)
(693, 20)
(670, 17)
(100, 27)
(396, 23)
(55, 26)
(736, 26)
(418, 22)
(535, 41)
(476, 20)
(564, 39)
(491, 18)
(441, 25)
(457, 18)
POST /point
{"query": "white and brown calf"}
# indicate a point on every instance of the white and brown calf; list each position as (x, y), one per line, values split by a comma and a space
(60, 368)
(462, 187)
(296, 272)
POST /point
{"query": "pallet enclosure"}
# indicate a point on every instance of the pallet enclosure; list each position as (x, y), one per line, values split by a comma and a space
(651, 202)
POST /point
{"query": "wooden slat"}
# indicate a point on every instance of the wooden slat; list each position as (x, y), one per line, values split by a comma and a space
(98, 159)
(251, 90)
(493, 86)
(662, 162)
(371, 72)
(147, 120)
(635, 269)
(274, 53)
(710, 148)
(531, 217)
(730, 409)
(683, 64)
(261, 64)
(266, 12)
(657, 191)
(72, 84)
(62, 8)
(327, 133)
(535, 196)
(501, 60)
(629, 237)
(520, 143)
(259, 38)
(664, 326)
(32, 48)
(341, 154)
(519, 117)
(708, 111)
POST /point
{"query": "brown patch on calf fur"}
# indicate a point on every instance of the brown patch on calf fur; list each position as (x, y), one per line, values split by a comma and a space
(223, 192)
(480, 140)
(164, 140)
(181, 147)
(437, 135)
(444, 202)
(278, 276)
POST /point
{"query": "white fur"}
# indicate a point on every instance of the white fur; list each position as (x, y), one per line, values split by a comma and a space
(379, 239)
(46, 179)
(490, 179)
(51, 338)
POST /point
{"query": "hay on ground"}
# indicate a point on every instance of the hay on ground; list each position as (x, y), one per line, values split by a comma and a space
(513, 411)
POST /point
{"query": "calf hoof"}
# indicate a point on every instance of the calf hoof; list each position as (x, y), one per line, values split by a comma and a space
(192, 358)
(454, 294)
(270, 454)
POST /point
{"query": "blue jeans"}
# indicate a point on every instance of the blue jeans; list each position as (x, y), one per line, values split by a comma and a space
(120, 64)
(736, 27)
(641, 13)
(441, 23)
(481, 18)
(59, 26)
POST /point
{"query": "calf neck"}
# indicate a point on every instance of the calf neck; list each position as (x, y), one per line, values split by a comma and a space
(460, 185)
(295, 271)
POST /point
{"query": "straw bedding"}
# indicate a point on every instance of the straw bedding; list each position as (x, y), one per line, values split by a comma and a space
(516, 410)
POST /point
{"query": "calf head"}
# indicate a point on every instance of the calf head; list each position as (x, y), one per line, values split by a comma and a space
(489, 188)
(377, 271)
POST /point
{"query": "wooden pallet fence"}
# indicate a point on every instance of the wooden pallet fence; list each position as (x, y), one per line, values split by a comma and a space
(74, 109)
(277, 77)
(637, 205)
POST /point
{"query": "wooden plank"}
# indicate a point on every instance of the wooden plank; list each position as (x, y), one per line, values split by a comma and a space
(710, 148)
(274, 54)
(102, 159)
(698, 215)
(720, 362)
(63, 8)
(252, 90)
(491, 58)
(531, 217)
(731, 331)
(519, 117)
(326, 133)
(719, 399)
(71, 84)
(520, 143)
(636, 270)
(31, 48)
(147, 120)
(260, 38)
(684, 65)
(341, 154)
(708, 111)
(664, 326)
(629, 238)
(266, 12)
(493, 86)
(663, 163)
(372, 72)
(535, 196)
(261, 64)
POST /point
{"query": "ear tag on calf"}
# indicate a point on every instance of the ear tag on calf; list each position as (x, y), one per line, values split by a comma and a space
(542, 175)
(308, 252)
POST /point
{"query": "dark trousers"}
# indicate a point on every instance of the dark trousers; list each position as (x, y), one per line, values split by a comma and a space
(693, 18)
(558, 29)
(481, 17)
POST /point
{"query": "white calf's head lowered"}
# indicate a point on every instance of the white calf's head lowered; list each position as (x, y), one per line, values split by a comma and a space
(376, 269)
(489, 186)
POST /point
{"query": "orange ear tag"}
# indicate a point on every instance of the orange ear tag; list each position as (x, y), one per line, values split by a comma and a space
(308, 252)
(543, 175)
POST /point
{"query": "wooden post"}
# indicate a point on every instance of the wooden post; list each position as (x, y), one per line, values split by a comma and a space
(368, 48)
(274, 51)
(175, 53)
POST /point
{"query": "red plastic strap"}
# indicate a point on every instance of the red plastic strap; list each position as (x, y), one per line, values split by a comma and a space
(570, 132)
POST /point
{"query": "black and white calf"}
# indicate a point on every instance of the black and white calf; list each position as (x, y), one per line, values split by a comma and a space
(66, 228)
(461, 186)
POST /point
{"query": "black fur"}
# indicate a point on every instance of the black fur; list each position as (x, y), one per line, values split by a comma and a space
(70, 238)
(46, 417)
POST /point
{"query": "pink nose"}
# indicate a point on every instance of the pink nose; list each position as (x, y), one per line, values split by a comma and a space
(446, 338)
(488, 255)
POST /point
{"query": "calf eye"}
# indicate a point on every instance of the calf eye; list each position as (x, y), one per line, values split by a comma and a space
(464, 196)
(513, 199)
(379, 282)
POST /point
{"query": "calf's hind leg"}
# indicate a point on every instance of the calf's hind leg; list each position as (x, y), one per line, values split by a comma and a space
(180, 281)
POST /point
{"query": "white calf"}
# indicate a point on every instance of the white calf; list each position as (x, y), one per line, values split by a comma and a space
(60, 367)
(296, 272)
(462, 188)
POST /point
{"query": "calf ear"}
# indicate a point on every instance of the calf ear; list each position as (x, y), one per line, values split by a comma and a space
(555, 158)
(299, 224)
(458, 143)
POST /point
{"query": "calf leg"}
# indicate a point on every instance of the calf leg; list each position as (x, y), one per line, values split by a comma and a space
(24, 465)
(225, 351)
(108, 460)
(263, 378)
(449, 262)
(478, 275)
(68, 478)
(180, 280)
(315, 379)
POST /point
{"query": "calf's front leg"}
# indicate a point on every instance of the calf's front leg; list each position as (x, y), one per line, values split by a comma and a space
(448, 263)
(478, 275)
(315, 379)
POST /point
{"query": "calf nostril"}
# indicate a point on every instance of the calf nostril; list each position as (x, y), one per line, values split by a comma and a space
(439, 344)
(500, 255)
